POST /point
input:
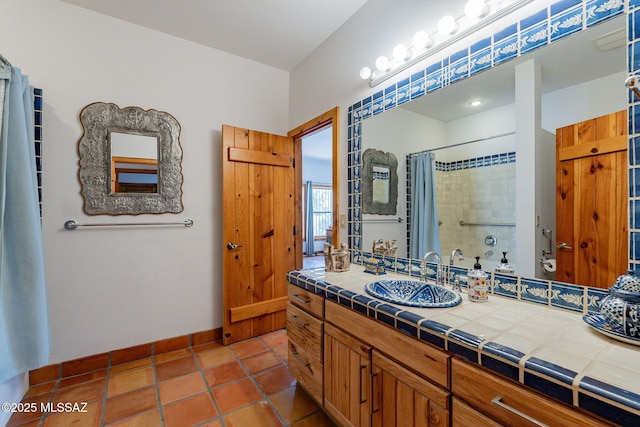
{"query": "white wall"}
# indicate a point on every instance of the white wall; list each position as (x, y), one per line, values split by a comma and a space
(114, 287)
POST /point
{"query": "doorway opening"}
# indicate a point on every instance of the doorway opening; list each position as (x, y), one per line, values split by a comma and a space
(317, 141)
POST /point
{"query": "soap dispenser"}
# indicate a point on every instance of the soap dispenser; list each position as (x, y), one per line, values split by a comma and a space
(504, 266)
(478, 283)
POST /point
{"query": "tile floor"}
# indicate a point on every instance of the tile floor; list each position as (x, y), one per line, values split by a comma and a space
(243, 384)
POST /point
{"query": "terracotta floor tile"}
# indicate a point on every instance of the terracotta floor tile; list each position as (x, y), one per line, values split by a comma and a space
(22, 417)
(123, 367)
(235, 395)
(248, 347)
(143, 419)
(87, 392)
(275, 339)
(214, 423)
(261, 362)
(159, 358)
(65, 419)
(82, 378)
(34, 423)
(189, 412)
(258, 414)
(175, 368)
(215, 357)
(275, 380)
(181, 387)
(35, 390)
(319, 419)
(205, 347)
(127, 404)
(293, 404)
(222, 374)
(130, 380)
(282, 352)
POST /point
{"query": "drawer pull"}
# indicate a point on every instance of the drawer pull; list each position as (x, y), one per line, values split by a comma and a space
(302, 362)
(298, 321)
(498, 402)
(374, 391)
(362, 399)
(302, 300)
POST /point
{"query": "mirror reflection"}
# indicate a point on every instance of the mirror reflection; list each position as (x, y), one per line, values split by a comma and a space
(477, 149)
(134, 163)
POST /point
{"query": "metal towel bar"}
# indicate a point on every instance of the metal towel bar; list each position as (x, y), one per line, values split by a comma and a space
(72, 224)
(399, 219)
(497, 224)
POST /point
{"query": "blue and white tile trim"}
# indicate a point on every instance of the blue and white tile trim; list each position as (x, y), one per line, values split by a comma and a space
(37, 121)
(516, 339)
(477, 162)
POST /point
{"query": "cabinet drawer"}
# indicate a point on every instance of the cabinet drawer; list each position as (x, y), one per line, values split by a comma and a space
(462, 415)
(307, 300)
(305, 330)
(307, 370)
(510, 403)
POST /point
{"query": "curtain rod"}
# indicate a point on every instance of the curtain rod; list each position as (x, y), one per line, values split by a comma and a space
(463, 143)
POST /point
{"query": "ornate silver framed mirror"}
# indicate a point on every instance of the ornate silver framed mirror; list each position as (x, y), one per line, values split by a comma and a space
(379, 182)
(130, 161)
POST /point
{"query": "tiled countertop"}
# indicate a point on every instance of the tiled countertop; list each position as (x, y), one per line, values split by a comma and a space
(549, 349)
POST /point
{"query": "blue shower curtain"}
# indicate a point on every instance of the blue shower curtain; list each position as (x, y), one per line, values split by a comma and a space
(424, 235)
(24, 322)
(309, 242)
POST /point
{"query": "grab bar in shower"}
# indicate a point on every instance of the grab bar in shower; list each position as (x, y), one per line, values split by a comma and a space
(399, 219)
(72, 224)
(497, 224)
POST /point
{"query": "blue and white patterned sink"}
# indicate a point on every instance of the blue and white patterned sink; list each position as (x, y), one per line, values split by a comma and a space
(413, 293)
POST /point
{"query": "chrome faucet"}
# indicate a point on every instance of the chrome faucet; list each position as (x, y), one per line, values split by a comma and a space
(423, 267)
(453, 255)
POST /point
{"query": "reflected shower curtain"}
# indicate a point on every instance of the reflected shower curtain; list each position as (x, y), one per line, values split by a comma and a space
(309, 247)
(424, 235)
(24, 322)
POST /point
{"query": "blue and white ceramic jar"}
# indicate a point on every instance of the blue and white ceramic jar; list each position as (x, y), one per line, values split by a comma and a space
(621, 307)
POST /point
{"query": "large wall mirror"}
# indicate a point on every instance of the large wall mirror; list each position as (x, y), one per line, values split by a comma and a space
(476, 149)
(130, 161)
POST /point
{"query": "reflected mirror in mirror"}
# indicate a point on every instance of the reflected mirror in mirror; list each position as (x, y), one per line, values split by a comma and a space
(578, 82)
(379, 182)
(134, 163)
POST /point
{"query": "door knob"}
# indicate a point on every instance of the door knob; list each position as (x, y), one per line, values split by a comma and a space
(563, 245)
(232, 246)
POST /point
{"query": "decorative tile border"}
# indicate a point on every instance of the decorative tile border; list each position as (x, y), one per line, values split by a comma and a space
(477, 162)
(37, 123)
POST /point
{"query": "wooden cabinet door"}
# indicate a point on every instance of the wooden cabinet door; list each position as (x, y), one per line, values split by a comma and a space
(347, 378)
(591, 201)
(258, 178)
(401, 398)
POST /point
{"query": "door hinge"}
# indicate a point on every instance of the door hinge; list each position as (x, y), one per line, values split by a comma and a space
(293, 162)
(294, 230)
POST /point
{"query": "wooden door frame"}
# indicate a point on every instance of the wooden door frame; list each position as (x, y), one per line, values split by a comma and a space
(329, 118)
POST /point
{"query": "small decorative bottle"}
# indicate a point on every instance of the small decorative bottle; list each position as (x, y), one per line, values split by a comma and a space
(478, 284)
(504, 266)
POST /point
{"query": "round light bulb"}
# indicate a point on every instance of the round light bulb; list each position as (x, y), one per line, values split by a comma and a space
(476, 102)
(401, 53)
(447, 25)
(476, 8)
(382, 63)
(422, 39)
(365, 73)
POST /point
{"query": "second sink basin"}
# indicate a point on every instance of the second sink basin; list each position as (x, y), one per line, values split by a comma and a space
(413, 293)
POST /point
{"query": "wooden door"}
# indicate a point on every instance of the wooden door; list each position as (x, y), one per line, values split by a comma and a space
(347, 378)
(591, 201)
(258, 230)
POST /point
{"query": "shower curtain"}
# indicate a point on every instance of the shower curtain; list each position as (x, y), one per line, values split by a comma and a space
(24, 322)
(309, 246)
(424, 235)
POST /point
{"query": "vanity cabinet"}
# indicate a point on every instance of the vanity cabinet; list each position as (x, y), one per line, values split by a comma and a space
(507, 402)
(402, 398)
(347, 378)
(305, 328)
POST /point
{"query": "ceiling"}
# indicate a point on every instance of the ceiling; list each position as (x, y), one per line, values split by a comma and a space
(279, 33)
